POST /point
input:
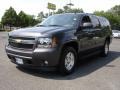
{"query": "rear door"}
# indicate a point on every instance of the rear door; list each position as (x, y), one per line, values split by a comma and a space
(98, 33)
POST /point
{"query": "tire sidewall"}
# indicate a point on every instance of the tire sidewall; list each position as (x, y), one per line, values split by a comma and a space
(62, 67)
(104, 51)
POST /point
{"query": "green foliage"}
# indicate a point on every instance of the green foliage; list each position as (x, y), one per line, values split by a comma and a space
(22, 19)
(113, 15)
(67, 9)
(25, 20)
(9, 17)
(115, 10)
(59, 11)
(32, 20)
(40, 16)
(0, 26)
(75, 10)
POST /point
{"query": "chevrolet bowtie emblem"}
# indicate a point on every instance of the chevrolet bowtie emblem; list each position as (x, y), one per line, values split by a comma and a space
(18, 40)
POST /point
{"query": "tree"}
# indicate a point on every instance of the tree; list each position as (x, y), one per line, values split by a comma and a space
(10, 17)
(40, 16)
(0, 25)
(25, 20)
(46, 15)
(31, 20)
(66, 9)
(115, 10)
(59, 11)
(76, 10)
(22, 19)
(116, 16)
(112, 17)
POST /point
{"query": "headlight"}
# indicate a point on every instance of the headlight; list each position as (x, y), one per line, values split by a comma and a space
(46, 42)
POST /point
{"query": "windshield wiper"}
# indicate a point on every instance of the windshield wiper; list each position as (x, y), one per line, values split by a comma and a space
(55, 25)
(40, 26)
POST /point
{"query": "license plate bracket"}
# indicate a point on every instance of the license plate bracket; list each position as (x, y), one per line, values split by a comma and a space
(19, 60)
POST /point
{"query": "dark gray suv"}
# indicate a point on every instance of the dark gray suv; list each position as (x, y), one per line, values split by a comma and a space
(59, 40)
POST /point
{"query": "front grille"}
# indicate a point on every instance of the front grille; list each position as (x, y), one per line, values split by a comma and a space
(22, 42)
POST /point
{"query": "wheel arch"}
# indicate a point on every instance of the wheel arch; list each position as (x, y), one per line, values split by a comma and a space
(73, 44)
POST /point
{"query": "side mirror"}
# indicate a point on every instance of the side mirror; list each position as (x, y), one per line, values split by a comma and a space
(87, 25)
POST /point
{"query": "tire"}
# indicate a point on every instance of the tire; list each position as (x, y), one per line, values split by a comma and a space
(105, 49)
(68, 61)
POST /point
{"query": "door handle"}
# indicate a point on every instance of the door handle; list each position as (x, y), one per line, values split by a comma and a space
(89, 33)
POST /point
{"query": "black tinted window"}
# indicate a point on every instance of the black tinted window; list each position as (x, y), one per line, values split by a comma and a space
(104, 22)
(86, 19)
(95, 21)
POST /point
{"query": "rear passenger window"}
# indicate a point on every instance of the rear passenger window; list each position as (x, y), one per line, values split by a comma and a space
(95, 21)
(104, 22)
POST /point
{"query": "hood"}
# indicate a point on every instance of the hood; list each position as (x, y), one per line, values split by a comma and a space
(36, 31)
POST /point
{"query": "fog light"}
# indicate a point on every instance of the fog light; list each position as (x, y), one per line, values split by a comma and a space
(46, 62)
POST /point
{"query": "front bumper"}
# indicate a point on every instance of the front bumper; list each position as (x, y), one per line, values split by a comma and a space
(34, 58)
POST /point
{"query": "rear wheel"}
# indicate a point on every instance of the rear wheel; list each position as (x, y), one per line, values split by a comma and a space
(105, 49)
(68, 60)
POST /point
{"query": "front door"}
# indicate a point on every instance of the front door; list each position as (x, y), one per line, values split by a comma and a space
(85, 36)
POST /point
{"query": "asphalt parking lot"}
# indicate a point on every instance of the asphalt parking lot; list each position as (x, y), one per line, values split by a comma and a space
(98, 73)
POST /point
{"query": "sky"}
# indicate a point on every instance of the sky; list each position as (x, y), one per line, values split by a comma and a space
(33, 7)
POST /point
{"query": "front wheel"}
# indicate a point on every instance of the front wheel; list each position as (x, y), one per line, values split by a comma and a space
(105, 49)
(68, 60)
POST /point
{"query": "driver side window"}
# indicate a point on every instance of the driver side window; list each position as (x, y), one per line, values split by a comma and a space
(86, 19)
(86, 23)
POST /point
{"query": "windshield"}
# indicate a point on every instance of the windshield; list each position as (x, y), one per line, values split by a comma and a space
(60, 20)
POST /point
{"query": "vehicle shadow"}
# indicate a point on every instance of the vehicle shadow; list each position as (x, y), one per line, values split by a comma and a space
(86, 67)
